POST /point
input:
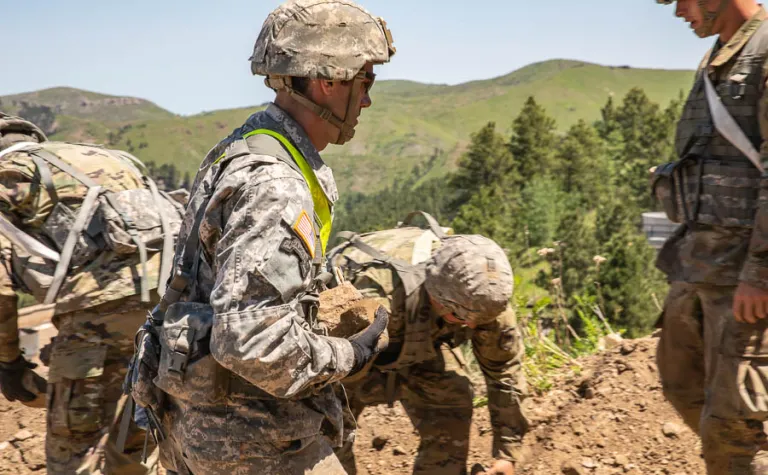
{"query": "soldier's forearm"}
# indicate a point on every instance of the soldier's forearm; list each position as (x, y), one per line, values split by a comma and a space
(272, 350)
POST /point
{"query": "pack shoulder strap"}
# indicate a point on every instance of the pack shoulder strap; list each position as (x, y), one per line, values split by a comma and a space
(63, 166)
(411, 275)
(69, 245)
(321, 202)
(431, 221)
(30, 245)
(727, 126)
(186, 270)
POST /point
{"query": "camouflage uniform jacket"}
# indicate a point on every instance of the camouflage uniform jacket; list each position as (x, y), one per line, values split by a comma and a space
(27, 204)
(496, 345)
(253, 267)
(720, 255)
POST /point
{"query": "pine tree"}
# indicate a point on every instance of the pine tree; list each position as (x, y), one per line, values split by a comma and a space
(492, 212)
(582, 164)
(485, 163)
(628, 284)
(647, 133)
(533, 141)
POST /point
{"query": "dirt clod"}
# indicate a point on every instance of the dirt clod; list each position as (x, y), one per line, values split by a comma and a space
(344, 311)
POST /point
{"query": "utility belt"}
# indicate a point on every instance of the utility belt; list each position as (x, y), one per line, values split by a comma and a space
(717, 192)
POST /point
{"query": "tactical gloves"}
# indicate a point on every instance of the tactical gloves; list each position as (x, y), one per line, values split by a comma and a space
(11, 380)
(366, 343)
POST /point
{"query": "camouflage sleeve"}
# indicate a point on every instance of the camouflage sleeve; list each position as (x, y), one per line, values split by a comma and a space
(755, 269)
(9, 330)
(498, 348)
(263, 262)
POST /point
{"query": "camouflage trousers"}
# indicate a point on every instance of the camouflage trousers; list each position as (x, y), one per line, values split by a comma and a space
(88, 362)
(714, 371)
(437, 396)
(310, 456)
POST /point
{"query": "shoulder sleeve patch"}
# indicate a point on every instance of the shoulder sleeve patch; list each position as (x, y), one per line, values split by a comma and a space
(304, 228)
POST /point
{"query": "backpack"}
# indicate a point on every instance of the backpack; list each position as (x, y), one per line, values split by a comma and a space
(395, 259)
(123, 213)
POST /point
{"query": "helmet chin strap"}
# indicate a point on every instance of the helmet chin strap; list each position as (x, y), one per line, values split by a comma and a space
(345, 125)
(710, 16)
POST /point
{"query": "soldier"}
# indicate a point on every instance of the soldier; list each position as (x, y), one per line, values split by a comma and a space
(248, 384)
(712, 357)
(67, 236)
(441, 291)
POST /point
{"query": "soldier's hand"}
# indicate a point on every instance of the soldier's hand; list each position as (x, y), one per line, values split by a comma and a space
(366, 343)
(750, 303)
(11, 380)
(501, 467)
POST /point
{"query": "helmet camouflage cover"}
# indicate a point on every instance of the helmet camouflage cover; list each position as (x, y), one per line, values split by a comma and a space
(15, 129)
(471, 276)
(320, 39)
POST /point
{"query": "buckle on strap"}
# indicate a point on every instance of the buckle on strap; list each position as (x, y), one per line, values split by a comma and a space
(178, 356)
(177, 362)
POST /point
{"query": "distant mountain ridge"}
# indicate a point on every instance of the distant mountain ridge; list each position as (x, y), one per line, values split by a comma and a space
(409, 123)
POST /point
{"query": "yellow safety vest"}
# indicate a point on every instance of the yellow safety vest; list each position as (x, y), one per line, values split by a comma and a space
(323, 207)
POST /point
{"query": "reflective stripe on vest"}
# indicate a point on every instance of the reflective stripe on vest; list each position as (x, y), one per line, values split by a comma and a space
(322, 205)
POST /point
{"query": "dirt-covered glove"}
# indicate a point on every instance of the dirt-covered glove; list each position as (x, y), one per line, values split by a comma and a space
(11, 380)
(366, 343)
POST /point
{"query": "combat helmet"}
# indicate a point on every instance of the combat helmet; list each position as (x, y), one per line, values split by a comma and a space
(15, 129)
(321, 39)
(709, 17)
(471, 276)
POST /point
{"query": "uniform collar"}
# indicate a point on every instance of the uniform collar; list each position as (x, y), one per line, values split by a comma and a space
(741, 38)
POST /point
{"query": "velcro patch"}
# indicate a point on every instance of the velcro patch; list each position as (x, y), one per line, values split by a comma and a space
(305, 230)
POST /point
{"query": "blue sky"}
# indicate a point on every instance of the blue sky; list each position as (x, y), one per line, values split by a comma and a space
(191, 56)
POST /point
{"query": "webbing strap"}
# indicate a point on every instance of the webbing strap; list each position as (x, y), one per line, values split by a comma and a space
(166, 261)
(46, 178)
(31, 245)
(143, 260)
(69, 245)
(64, 166)
(727, 126)
(431, 221)
(125, 422)
(185, 271)
(18, 146)
(322, 205)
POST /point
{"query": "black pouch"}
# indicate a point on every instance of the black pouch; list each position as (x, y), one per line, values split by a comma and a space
(665, 188)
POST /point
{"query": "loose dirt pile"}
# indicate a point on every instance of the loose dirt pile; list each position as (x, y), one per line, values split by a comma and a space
(22, 439)
(608, 418)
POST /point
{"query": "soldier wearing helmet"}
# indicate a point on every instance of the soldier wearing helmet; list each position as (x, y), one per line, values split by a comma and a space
(712, 356)
(250, 382)
(442, 290)
(67, 213)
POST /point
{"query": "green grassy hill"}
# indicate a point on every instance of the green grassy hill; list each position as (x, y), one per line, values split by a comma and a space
(409, 122)
(87, 105)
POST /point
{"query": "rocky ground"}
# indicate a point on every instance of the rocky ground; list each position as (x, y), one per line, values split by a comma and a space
(608, 418)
